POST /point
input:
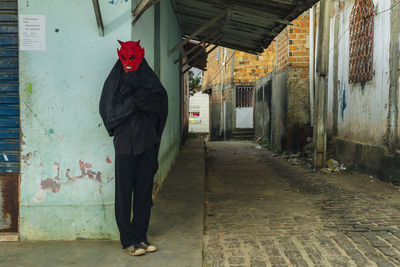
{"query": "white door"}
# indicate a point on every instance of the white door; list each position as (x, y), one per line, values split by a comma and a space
(244, 106)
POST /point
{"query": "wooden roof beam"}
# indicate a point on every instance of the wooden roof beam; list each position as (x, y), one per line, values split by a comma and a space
(141, 8)
(200, 30)
(99, 19)
(242, 7)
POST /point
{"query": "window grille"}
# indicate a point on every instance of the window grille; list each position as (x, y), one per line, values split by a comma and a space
(361, 41)
(244, 96)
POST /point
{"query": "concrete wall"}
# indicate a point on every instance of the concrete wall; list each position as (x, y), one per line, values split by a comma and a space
(221, 110)
(363, 117)
(67, 169)
(215, 113)
(262, 108)
(363, 108)
(279, 110)
(200, 102)
(298, 107)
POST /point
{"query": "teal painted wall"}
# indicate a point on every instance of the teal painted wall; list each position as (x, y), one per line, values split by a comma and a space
(67, 158)
(169, 76)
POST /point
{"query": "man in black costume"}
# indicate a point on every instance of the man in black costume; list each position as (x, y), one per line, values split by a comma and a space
(134, 108)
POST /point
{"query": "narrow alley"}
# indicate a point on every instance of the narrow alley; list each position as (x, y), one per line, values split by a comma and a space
(259, 210)
(264, 211)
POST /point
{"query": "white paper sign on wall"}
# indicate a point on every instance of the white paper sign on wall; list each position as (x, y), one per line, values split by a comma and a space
(32, 32)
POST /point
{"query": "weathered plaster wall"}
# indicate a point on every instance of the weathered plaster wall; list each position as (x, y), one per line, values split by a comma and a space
(366, 114)
(362, 109)
(170, 36)
(279, 110)
(263, 105)
(67, 169)
(215, 113)
(298, 106)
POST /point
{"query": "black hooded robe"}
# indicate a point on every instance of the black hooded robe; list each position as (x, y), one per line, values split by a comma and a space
(136, 101)
(134, 109)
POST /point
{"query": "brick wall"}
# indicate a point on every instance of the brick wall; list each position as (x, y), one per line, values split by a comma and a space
(290, 48)
(292, 44)
(282, 50)
(299, 41)
(248, 67)
(216, 74)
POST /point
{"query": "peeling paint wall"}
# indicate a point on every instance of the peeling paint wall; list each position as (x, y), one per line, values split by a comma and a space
(362, 108)
(366, 115)
(67, 163)
(169, 36)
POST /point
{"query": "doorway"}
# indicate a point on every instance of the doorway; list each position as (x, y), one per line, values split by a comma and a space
(245, 106)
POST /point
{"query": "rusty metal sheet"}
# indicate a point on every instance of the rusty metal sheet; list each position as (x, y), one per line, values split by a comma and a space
(9, 88)
(9, 210)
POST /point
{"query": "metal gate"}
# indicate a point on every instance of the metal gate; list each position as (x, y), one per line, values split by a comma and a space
(9, 116)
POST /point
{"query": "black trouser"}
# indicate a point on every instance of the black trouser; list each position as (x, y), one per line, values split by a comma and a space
(134, 173)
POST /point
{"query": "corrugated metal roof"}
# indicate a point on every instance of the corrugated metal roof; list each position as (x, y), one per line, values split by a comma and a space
(248, 26)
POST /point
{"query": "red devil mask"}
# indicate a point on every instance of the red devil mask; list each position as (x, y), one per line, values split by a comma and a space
(131, 55)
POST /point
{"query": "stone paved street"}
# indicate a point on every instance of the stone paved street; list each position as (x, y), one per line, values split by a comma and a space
(263, 211)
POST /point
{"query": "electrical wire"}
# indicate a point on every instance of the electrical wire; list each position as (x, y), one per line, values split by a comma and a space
(337, 43)
(216, 75)
(373, 15)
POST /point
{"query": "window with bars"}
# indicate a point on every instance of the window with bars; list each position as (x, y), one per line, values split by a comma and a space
(361, 41)
(244, 96)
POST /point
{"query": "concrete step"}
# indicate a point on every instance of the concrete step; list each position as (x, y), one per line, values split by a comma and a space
(247, 134)
(244, 130)
(241, 137)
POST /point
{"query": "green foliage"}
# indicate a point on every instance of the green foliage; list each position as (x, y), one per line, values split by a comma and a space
(194, 82)
(265, 143)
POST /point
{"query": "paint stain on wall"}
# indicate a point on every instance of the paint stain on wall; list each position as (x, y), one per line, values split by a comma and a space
(29, 88)
(342, 99)
(117, 2)
(108, 160)
(54, 184)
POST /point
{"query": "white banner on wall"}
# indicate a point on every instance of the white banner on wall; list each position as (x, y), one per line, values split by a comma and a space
(32, 32)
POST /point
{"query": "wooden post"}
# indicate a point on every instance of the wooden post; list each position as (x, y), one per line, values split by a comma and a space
(391, 137)
(321, 94)
(99, 20)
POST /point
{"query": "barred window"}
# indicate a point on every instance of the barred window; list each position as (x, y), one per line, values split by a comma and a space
(361, 41)
(244, 96)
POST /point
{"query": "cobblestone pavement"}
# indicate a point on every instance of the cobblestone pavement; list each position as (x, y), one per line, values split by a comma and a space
(263, 211)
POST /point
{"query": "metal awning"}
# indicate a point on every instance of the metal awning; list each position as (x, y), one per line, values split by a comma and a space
(248, 26)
